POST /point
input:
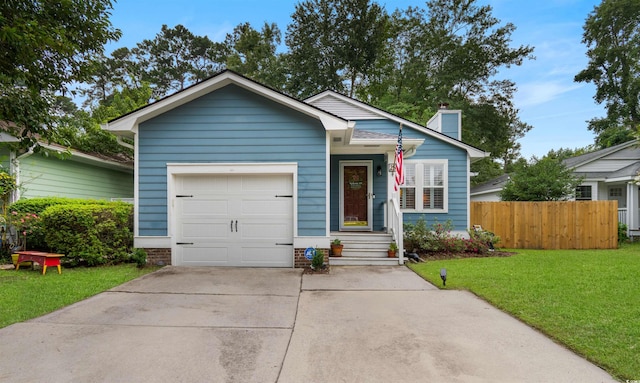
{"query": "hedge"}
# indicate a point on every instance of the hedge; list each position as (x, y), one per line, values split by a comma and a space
(94, 234)
(91, 232)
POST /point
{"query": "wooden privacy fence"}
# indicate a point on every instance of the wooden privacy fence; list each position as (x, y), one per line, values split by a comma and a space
(550, 225)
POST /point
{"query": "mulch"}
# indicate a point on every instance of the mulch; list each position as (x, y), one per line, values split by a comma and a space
(443, 256)
(429, 257)
(325, 270)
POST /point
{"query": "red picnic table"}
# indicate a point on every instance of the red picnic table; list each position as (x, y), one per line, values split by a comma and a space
(42, 258)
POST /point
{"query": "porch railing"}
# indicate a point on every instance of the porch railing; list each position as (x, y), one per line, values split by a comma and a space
(622, 215)
(394, 216)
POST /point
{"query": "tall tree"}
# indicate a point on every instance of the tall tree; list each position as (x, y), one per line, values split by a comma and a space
(111, 74)
(334, 44)
(452, 52)
(176, 58)
(612, 36)
(44, 47)
(253, 54)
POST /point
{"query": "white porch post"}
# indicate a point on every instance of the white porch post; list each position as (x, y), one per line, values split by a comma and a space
(394, 215)
(633, 219)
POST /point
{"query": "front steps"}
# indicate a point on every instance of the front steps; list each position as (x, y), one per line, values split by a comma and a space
(363, 248)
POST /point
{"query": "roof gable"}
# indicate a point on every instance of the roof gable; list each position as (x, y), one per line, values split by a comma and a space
(331, 102)
(127, 124)
(339, 103)
(615, 161)
(586, 158)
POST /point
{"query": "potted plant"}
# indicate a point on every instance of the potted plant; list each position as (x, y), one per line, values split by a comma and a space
(336, 248)
(393, 250)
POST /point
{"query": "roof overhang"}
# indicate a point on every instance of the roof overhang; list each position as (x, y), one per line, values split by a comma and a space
(364, 142)
(127, 125)
(88, 159)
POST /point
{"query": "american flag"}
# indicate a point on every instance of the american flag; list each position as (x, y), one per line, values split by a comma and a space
(399, 169)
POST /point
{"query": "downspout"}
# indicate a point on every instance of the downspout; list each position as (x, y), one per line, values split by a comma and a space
(15, 169)
(122, 143)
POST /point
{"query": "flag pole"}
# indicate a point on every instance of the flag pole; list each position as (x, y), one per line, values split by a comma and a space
(398, 160)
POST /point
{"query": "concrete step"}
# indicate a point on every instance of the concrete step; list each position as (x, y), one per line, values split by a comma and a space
(362, 261)
(352, 251)
(363, 245)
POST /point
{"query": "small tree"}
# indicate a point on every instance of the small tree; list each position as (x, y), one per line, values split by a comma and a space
(546, 179)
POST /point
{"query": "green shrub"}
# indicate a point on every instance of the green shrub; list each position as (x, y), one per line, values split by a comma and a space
(437, 238)
(484, 236)
(139, 257)
(317, 261)
(28, 207)
(622, 232)
(94, 234)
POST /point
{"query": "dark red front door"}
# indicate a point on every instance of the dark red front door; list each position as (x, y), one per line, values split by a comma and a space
(356, 197)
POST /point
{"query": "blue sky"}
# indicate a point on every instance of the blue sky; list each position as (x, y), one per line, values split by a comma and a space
(547, 97)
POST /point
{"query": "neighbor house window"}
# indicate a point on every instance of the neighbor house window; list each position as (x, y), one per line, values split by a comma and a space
(425, 187)
(615, 192)
(583, 193)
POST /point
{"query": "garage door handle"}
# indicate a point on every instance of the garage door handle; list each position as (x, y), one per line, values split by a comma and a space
(284, 244)
(232, 226)
(236, 226)
(184, 243)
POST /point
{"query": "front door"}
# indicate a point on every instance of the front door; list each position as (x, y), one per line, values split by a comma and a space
(356, 195)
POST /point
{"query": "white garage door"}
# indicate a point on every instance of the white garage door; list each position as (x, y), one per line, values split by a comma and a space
(234, 220)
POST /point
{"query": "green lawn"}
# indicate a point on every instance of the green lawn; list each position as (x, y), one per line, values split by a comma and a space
(588, 300)
(26, 293)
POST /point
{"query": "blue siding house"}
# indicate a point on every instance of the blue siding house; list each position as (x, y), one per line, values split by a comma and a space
(229, 172)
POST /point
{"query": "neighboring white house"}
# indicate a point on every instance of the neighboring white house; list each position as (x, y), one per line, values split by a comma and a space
(608, 174)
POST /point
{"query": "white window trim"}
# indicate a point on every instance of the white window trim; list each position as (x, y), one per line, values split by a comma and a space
(419, 186)
(585, 199)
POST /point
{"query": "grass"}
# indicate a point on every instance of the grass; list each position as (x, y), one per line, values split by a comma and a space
(27, 294)
(588, 300)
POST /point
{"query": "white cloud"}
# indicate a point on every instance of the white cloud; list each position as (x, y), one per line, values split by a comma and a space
(541, 92)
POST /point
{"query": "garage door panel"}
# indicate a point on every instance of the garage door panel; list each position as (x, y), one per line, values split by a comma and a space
(278, 183)
(205, 256)
(265, 257)
(209, 207)
(198, 183)
(269, 207)
(205, 232)
(272, 232)
(204, 207)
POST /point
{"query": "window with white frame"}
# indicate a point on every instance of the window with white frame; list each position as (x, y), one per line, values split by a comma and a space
(425, 187)
(583, 193)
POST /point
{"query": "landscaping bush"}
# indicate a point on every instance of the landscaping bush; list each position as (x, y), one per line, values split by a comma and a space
(29, 210)
(438, 238)
(93, 234)
(139, 257)
(622, 232)
(317, 261)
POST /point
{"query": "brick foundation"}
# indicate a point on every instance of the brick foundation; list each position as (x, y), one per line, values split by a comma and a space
(157, 256)
(301, 262)
(160, 257)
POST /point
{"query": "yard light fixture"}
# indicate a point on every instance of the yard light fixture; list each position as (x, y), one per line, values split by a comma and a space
(443, 275)
(379, 170)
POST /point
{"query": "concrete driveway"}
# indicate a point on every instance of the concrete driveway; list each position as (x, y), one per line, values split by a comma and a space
(358, 324)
